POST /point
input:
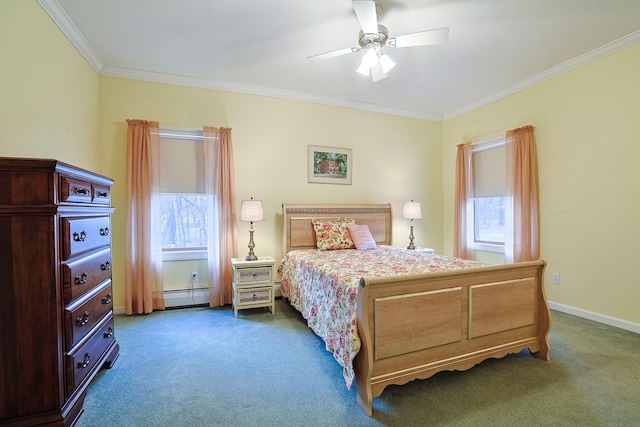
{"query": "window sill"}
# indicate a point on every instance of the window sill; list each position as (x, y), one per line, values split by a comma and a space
(487, 247)
(184, 255)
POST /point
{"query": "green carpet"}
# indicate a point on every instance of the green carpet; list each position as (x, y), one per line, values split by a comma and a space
(203, 367)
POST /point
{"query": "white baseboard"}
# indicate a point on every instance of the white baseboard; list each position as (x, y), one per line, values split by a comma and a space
(186, 297)
(596, 317)
(179, 298)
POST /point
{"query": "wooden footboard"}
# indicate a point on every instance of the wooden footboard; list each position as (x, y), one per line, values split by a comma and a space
(415, 326)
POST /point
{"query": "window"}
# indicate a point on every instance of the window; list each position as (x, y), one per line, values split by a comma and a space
(488, 165)
(183, 221)
(183, 202)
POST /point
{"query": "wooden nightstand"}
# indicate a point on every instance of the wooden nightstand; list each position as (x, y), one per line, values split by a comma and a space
(253, 284)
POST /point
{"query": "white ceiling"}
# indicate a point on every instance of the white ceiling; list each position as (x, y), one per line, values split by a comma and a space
(495, 47)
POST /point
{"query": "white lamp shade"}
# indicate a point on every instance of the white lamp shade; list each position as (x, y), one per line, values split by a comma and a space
(411, 210)
(251, 211)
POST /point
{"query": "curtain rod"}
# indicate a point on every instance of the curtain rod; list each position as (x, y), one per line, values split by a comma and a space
(181, 133)
(488, 144)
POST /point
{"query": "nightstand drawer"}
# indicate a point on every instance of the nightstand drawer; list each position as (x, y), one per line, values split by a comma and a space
(251, 296)
(254, 276)
(253, 284)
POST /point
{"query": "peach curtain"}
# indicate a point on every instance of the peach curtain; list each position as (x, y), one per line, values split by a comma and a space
(222, 239)
(522, 240)
(463, 241)
(143, 252)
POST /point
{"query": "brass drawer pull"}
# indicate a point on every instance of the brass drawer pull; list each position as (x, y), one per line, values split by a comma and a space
(81, 279)
(109, 333)
(79, 190)
(104, 231)
(102, 194)
(80, 237)
(85, 361)
(106, 266)
(81, 321)
(106, 299)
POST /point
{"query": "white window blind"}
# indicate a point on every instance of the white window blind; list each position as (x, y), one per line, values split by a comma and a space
(489, 171)
(181, 166)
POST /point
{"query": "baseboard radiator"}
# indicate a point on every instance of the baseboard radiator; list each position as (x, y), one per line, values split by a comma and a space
(186, 297)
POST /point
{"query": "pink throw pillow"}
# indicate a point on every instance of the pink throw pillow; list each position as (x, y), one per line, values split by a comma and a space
(361, 236)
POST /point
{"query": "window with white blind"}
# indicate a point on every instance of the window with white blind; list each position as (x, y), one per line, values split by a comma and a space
(488, 165)
(183, 207)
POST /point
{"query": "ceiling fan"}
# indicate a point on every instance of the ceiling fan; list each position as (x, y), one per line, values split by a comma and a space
(374, 37)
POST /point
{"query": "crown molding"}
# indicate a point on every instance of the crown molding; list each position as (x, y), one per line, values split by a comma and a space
(62, 20)
(199, 82)
(572, 64)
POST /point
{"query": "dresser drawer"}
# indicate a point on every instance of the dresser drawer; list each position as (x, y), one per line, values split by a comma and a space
(83, 358)
(250, 296)
(101, 194)
(74, 191)
(83, 315)
(253, 276)
(82, 275)
(81, 234)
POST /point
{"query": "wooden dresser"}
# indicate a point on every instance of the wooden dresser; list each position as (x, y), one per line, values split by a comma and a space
(56, 310)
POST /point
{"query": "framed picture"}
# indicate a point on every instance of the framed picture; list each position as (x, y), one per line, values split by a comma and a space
(330, 165)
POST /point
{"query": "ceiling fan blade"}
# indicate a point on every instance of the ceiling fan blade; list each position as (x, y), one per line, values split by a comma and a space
(423, 38)
(334, 53)
(367, 16)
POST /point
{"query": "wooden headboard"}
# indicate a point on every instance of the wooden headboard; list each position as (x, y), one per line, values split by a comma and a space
(298, 230)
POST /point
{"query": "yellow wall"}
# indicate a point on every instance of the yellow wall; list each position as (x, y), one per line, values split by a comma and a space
(394, 158)
(588, 150)
(48, 92)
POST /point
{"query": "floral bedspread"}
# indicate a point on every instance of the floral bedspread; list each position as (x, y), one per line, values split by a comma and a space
(323, 286)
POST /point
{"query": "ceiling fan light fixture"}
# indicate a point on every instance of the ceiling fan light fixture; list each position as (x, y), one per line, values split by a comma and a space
(370, 58)
(377, 73)
(363, 69)
(386, 63)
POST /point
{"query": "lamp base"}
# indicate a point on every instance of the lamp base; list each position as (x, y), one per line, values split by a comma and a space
(411, 245)
(251, 256)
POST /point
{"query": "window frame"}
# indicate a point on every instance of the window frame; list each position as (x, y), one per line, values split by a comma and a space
(482, 245)
(186, 253)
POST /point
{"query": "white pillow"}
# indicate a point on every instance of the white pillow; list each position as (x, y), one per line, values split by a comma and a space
(361, 236)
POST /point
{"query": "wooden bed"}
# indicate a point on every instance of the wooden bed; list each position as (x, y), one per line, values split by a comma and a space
(412, 327)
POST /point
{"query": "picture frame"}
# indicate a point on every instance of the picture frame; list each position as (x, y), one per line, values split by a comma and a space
(329, 165)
